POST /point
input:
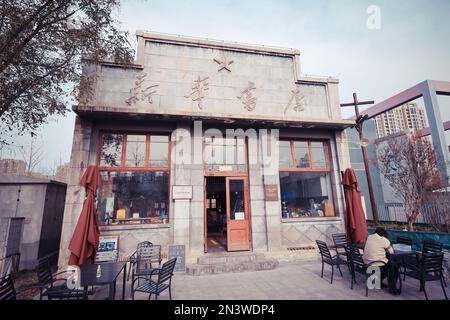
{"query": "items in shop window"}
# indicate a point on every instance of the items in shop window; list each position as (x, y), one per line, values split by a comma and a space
(121, 214)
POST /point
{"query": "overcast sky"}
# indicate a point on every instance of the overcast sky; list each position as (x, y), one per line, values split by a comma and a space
(411, 45)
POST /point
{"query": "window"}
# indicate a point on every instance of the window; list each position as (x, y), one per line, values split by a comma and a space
(136, 150)
(111, 153)
(135, 179)
(224, 154)
(305, 179)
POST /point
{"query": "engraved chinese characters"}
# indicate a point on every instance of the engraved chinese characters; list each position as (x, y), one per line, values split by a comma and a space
(247, 98)
(298, 99)
(198, 91)
(218, 86)
(141, 91)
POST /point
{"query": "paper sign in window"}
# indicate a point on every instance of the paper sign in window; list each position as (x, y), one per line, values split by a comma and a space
(239, 215)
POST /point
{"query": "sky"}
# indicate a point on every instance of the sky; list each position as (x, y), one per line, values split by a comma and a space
(411, 44)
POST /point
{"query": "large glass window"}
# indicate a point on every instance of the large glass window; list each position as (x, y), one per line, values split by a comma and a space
(135, 179)
(133, 197)
(305, 194)
(305, 175)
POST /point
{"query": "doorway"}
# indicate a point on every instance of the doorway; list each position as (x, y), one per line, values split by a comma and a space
(216, 211)
(227, 225)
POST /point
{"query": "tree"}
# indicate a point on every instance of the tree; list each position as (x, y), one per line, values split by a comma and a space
(42, 43)
(32, 155)
(408, 163)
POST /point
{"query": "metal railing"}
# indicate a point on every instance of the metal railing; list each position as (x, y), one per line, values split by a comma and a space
(431, 214)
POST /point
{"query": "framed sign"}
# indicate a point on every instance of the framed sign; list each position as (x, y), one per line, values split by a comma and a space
(108, 249)
(182, 192)
(179, 252)
(271, 192)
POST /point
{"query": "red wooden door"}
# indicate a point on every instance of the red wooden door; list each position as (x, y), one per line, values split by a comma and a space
(238, 220)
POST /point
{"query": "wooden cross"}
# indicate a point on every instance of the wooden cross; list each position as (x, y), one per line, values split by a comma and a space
(359, 121)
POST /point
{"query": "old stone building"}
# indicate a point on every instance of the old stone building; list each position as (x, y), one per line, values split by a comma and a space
(214, 145)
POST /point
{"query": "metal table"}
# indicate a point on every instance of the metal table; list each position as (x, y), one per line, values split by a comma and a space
(109, 275)
(396, 260)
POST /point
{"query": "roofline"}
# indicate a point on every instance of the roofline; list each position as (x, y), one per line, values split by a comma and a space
(109, 112)
(212, 43)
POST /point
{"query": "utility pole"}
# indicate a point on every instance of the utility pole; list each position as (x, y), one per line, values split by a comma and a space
(359, 122)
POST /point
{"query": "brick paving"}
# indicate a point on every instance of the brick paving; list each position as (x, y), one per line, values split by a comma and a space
(289, 281)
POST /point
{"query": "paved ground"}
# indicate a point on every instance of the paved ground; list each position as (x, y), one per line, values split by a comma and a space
(291, 280)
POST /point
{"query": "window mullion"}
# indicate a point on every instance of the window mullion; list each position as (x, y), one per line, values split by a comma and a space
(124, 151)
(147, 151)
(293, 163)
(310, 155)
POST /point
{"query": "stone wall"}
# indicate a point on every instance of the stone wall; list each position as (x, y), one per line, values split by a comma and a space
(75, 193)
(131, 235)
(305, 233)
(201, 79)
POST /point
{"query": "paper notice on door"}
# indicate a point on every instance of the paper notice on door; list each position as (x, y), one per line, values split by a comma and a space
(239, 216)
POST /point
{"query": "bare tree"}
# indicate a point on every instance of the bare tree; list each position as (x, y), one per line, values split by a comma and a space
(408, 163)
(33, 154)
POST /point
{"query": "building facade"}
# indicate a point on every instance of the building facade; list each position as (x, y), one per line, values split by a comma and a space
(213, 145)
(40, 203)
(406, 116)
(13, 166)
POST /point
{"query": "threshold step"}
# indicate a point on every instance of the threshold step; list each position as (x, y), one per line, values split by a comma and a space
(242, 266)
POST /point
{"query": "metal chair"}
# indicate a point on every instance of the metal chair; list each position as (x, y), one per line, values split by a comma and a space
(147, 259)
(428, 246)
(430, 269)
(7, 290)
(329, 259)
(404, 240)
(47, 279)
(340, 242)
(163, 282)
(133, 258)
(357, 265)
(408, 242)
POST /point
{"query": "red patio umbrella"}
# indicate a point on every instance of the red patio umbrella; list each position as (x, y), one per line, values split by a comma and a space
(355, 221)
(85, 239)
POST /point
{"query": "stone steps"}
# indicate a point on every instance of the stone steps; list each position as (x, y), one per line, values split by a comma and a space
(230, 262)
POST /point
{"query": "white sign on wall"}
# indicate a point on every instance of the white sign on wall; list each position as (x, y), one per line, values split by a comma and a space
(182, 192)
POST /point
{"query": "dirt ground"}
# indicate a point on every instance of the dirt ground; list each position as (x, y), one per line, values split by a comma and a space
(24, 280)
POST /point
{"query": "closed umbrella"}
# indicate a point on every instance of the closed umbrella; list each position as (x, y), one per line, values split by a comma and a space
(85, 239)
(355, 220)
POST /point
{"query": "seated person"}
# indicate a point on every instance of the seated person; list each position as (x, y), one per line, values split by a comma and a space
(377, 245)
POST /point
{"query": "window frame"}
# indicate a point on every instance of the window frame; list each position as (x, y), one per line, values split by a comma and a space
(145, 168)
(327, 169)
(122, 166)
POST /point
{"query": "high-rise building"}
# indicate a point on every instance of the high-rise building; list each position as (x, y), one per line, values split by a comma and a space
(406, 116)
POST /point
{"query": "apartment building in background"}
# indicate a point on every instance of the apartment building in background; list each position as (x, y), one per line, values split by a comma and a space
(407, 116)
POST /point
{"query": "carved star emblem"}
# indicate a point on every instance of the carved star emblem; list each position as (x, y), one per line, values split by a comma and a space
(224, 64)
